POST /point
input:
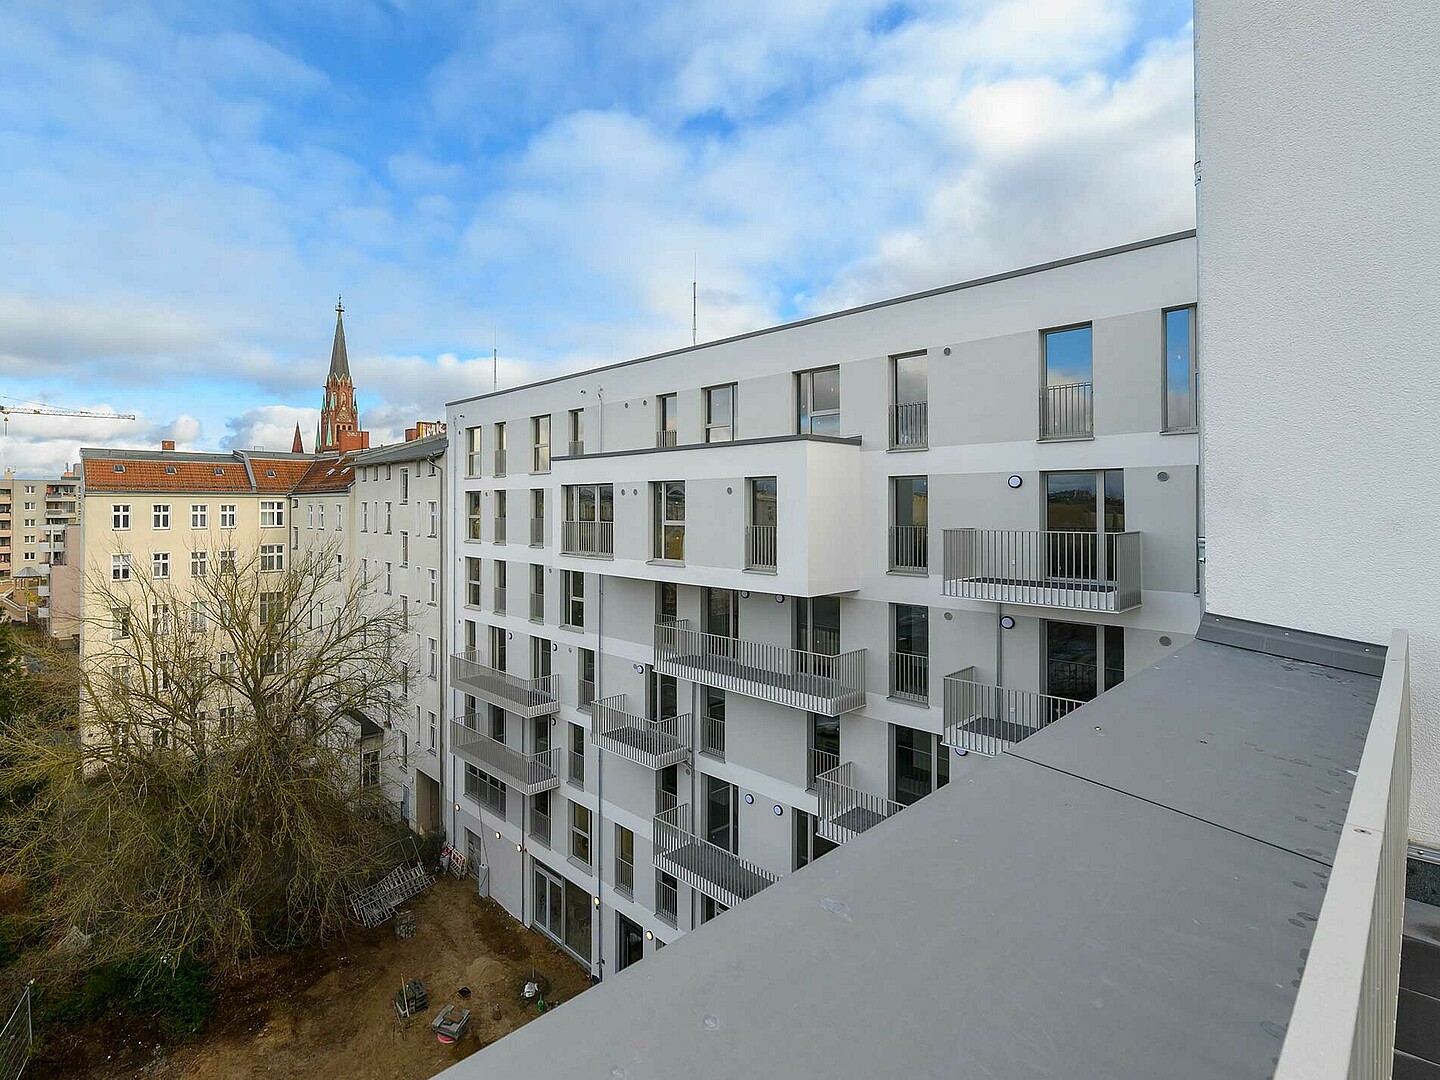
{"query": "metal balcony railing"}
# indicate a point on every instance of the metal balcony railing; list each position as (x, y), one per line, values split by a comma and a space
(909, 425)
(528, 774)
(665, 438)
(499, 604)
(576, 775)
(537, 532)
(499, 461)
(539, 825)
(499, 535)
(537, 607)
(988, 719)
(667, 900)
(712, 737)
(1343, 1023)
(594, 538)
(584, 694)
(760, 547)
(818, 762)
(524, 697)
(577, 447)
(844, 810)
(540, 458)
(655, 744)
(1080, 571)
(910, 676)
(713, 871)
(910, 548)
(815, 682)
(624, 875)
(1067, 411)
(665, 800)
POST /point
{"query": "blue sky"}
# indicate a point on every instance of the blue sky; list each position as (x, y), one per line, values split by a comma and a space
(186, 188)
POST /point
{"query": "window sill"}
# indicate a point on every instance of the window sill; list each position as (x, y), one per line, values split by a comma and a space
(910, 571)
(607, 555)
(906, 449)
(914, 703)
(579, 864)
(765, 571)
(1180, 431)
(1066, 438)
(665, 562)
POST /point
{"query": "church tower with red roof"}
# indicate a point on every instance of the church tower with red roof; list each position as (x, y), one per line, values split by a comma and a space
(339, 428)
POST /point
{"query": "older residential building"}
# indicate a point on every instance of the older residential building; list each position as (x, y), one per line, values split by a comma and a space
(719, 610)
(34, 514)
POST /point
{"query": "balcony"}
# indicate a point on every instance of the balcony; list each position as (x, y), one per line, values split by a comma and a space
(1067, 411)
(1075, 571)
(910, 549)
(910, 426)
(760, 547)
(655, 744)
(713, 871)
(528, 774)
(989, 719)
(592, 539)
(844, 810)
(523, 697)
(910, 677)
(815, 682)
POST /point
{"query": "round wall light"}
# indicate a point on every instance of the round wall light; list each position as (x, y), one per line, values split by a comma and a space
(744, 594)
(779, 810)
(457, 806)
(749, 799)
(554, 646)
(1162, 476)
(509, 635)
(947, 350)
(1015, 480)
(520, 848)
(639, 669)
(497, 836)
(1007, 622)
(1165, 641)
(649, 935)
(779, 598)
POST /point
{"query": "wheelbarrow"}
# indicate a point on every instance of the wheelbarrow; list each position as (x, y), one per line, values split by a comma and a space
(450, 1025)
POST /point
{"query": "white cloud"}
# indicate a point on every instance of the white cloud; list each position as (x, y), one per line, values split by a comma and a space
(271, 427)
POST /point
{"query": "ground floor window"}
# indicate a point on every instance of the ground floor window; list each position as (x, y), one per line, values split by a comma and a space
(630, 939)
(562, 911)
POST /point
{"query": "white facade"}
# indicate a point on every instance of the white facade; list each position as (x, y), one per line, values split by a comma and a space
(1318, 262)
(863, 529)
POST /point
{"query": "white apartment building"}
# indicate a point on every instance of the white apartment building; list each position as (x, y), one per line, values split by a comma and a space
(396, 517)
(718, 610)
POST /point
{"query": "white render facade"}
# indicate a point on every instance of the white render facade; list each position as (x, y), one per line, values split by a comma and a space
(397, 511)
(716, 610)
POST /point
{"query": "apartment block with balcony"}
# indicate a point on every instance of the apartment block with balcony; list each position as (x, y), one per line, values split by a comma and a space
(35, 512)
(759, 595)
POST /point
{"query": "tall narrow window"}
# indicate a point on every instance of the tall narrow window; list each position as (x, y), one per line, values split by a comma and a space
(712, 730)
(909, 421)
(624, 860)
(472, 451)
(537, 517)
(818, 402)
(1180, 398)
(761, 535)
(576, 770)
(910, 653)
(909, 524)
(920, 764)
(472, 582)
(669, 498)
(720, 413)
(500, 575)
(586, 671)
(1067, 396)
(577, 432)
(574, 613)
(472, 515)
(501, 514)
(537, 593)
(540, 438)
(667, 432)
(722, 813)
(500, 449)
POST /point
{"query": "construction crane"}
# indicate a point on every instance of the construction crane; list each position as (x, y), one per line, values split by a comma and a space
(32, 409)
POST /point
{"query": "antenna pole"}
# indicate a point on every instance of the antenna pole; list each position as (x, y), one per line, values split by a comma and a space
(494, 361)
(695, 300)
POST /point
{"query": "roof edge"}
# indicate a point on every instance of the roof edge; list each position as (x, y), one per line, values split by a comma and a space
(1344, 654)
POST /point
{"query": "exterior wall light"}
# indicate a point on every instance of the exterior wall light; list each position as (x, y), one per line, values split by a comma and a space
(1007, 622)
(520, 848)
(779, 598)
(1015, 480)
(639, 669)
(597, 901)
(649, 935)
(744, 594)
(779, 810)
(749, 799)
(497, 835)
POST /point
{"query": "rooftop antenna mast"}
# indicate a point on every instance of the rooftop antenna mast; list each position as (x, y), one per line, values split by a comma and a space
(494, 361)
(695, 299)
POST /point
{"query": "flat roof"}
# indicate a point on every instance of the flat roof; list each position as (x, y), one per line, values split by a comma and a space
(1054, 264)
(1130, 893)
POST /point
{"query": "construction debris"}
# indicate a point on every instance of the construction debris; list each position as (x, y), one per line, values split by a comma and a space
(377, 903)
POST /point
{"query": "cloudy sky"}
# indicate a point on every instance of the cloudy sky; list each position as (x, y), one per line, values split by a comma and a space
(187, 187)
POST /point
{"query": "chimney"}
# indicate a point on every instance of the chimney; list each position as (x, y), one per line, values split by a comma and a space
(167, 444)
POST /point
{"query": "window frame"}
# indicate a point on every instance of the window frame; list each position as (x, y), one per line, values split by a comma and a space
(711, 424)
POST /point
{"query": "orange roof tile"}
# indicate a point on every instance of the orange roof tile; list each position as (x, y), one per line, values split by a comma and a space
(327, 475)
(124, 473)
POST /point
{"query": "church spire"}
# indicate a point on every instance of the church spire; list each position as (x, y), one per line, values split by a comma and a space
(339, 361)
(297, 446)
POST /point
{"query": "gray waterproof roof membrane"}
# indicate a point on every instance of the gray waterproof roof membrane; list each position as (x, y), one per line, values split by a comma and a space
(1128, 894)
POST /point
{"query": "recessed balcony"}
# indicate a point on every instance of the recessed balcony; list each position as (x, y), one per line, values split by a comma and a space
(815, 682)
(845, 810)
(706, 868)
(1076, 571)
(528, 774)
(988, 719)
(655, 744)
(524, 697)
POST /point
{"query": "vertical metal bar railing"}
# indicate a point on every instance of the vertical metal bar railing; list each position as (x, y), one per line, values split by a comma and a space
(910, 548)
(499, 600)
(499, 461)
(712, 737)
(760, 547)
(987, 719)
(588, 538)
(1067, 411)
(909, 425)
(539, 824)
(577, 447)
(499, 537)
(537, 607)
(537, 532)
(816, 763)
(1055, 568)
(666, 438)
(667, 898)
(910, 676)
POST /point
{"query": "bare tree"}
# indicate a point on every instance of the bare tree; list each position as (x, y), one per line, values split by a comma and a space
(213, 803)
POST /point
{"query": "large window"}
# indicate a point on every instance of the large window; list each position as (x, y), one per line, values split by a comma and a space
(199, 516)
(818, 402)
(1067, 396)
(920, 764)
(580, 833)
(1082, 659)
(120, 516)
(910, 652)
(909, 523)
(472, 515)
(589, 515)
(485, 789)
(909, 390)
(272, 557)
(720, 413)
(669, 497)
(540, 438)
(160, 515)
(762, 533)
(272, 513)
(809, 844)
(227, 515)
(1180, 398)
(722, 814)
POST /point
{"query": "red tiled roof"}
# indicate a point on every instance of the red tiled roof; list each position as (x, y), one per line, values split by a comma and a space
(155, 474)
(326, 475)
(288, 472)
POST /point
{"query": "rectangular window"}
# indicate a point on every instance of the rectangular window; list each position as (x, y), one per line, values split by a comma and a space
(199, 563)
(720, 413)
(910, 524)
(712, 729)
(404, 548)
(272, 513)
(272, 606)
(472, 582)
(389, 579)
(577, 755)
(485, 789)
(585, 695)
(404, 486)
(197, 616)
(272, 557)
(500, 449)
(910, 652)
(339, 518)
(389, 518)
(227, 515)
(762, 530)
(434, 727)
(501, 514)
(120, 516)
(227, 561)
(160, 619)
(573, 613)
(309, 515)
(472, 515)
(818, 402)
(434, 658)
(920, 765)
(227, 665)
(364, 517)
(199, 516)
(434, 518)
(539, 658)
(119, 623)
(1067, 396)
(909, 392)
(404, 614)
(537, 517)
(434, 586)
(722, 814)
(501, 575)
(472, 451)
(320, 516)
(1180, 371)
(667, 600)
(227, 720)
(160, 516)
(577, 432)
(667, 433)
(669, 509)
(624, 861)
(540, 437)
(580, 833)
(160, 565)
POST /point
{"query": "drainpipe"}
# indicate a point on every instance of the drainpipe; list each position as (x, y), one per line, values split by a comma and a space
(599, 757)
(452, 835)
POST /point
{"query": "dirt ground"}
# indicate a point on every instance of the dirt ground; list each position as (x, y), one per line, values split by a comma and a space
(328, 1013)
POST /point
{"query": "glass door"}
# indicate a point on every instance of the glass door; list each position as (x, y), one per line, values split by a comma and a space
(817, 633)
(630, 943)
(1080, 508)
(549, 903)
(1082, 659)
